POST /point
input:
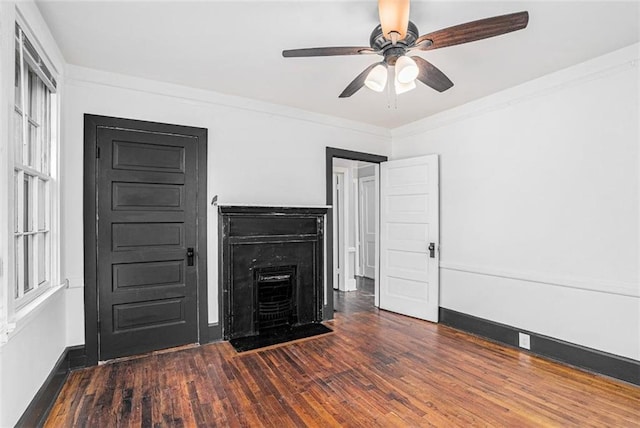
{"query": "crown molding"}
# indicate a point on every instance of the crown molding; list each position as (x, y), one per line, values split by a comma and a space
(597, 68)
(82, 76)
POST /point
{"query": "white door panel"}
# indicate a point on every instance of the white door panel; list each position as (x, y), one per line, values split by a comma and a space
(408, 231)
(338, 231)
(368, 225)
(409, 279)
(407, 289)
(410, 175)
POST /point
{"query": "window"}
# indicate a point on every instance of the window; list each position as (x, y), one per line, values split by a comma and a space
(33, 130)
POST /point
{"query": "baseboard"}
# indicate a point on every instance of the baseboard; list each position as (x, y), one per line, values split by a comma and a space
(73, 357)
(590, 359)
(214, 333)
(350, 284)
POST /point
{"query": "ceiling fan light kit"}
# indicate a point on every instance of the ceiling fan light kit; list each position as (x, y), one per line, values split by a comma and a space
(377, 78)
(402, 87)
(396, 37)
(406, 69)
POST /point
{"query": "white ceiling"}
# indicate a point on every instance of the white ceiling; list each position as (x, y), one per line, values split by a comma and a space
(234, 47)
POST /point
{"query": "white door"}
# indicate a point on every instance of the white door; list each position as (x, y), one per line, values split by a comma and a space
(368, 226)
(338, 232)
(409, 279)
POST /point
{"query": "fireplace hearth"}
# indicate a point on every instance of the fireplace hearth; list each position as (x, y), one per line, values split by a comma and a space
(271, 267)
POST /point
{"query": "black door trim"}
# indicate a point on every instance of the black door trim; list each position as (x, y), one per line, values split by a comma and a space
(91, 124)
(342, 154)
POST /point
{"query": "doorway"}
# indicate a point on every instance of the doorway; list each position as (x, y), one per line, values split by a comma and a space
(145, 236)
(349, 259)
(355, 207)
(407, 251)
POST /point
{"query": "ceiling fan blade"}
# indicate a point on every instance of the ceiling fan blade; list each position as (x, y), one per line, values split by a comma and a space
(343, 50)
(432, 76)
(472, 31)
(357, 83)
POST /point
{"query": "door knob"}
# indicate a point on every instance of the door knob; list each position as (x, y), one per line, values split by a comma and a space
(432, 250)
(190, 254)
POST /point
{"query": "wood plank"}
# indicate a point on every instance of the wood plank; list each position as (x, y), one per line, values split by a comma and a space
(377, 369)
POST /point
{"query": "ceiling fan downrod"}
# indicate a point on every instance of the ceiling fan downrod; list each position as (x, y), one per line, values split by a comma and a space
(387, 48)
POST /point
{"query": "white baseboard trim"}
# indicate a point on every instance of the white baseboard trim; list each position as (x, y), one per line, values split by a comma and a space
(622, 288)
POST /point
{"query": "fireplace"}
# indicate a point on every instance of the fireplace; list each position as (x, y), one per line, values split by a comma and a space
(271, 268)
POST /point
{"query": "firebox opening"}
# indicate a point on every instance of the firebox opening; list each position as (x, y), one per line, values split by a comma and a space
(275, 300)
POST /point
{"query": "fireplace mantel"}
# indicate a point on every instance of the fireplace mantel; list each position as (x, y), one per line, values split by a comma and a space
(254, 238)
(270, 207)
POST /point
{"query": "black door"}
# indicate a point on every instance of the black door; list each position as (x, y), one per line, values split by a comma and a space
(146, 186)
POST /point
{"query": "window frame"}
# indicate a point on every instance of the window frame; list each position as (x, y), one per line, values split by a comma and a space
(37, 161)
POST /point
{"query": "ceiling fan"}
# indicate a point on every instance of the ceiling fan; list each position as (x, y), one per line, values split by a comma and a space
(396, 37)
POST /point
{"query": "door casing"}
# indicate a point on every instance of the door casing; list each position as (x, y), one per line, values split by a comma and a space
(91, 124)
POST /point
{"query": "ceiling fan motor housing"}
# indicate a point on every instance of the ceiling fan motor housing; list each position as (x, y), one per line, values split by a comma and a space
(386, 48)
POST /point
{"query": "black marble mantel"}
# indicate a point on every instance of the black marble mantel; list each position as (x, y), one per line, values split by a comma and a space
(254, 238)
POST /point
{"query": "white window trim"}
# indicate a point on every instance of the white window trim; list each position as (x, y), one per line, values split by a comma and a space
(13, 315)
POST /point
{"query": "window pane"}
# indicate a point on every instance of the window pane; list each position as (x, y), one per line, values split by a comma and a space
(18, 82)
(17, 136)
(33, 95)
(26, 210)
(25, 106)
(18, 255)
(42, 204)
(28, 256)
(45, 131)
(42, 257)
(31, 146)
(16, 205)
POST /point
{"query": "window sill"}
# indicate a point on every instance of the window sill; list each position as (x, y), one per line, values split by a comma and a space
(27, 313)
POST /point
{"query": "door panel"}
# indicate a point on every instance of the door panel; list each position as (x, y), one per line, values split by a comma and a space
(338, 232)
(129, 155)
(368, 221)
(143, 196)
(148, 274)
(141, 316)
(409, 279)
(147, 293)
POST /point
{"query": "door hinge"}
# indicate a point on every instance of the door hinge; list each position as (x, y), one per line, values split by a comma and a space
(98, 152)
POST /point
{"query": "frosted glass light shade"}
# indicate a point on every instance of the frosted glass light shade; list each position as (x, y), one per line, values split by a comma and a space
(406, 69)
(394, 18)
(377, 78)
(401, 87)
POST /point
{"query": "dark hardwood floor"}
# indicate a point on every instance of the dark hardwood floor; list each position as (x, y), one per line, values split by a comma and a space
(376, 369)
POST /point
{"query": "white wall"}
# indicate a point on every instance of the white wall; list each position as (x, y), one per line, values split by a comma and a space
(27, 359)
(32, 338)
(257, 153)
(540, 203)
